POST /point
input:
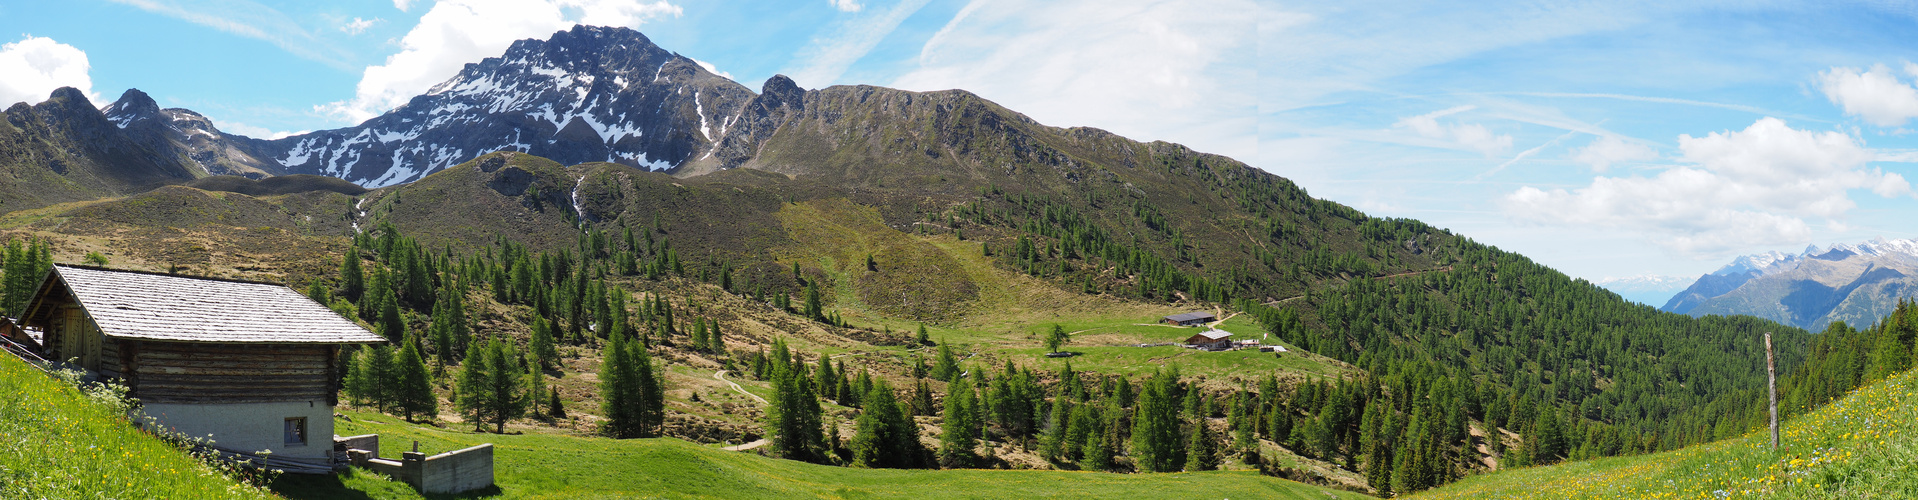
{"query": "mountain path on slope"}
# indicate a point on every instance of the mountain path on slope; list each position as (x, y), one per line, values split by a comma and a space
(721, 376)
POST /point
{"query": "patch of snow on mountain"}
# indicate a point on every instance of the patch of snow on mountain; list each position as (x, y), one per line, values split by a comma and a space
(299, 154)
(121, 120)
(390, 137)
(700, 109)
(395, 175)
(645, 160)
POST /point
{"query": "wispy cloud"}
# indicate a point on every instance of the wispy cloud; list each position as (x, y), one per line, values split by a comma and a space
(821, 62)
(846, 5)
(357, 25)
(251, 20)
(1177, 70)
(1524, 154)
(1470, 136)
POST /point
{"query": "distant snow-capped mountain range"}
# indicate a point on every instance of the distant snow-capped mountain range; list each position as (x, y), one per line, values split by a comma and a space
(1855, 283)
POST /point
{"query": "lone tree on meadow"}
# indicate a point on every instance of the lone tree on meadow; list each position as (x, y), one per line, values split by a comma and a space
(1056, 338)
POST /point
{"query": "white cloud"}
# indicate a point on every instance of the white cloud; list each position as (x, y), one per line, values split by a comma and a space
(822, 61)
(402, 5)
(713, 69)
(1876, 95)
(357, 25)
(846, 5)
(1178, 70)
(1736, 190)
(251, 20)
(36, 65)
(252, 131)
(456, 32)
(1471, 136)
(1607, 150)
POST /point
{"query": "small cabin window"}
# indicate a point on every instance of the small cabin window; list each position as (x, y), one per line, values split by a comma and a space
(296, 431)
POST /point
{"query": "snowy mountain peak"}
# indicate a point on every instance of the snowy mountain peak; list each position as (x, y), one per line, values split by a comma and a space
(132, 106)
(587, 94)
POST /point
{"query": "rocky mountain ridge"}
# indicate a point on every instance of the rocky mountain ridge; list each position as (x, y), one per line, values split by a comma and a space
(1856, 283)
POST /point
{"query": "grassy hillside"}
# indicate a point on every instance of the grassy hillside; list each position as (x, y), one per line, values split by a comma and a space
(1862, 446)
(55, 443)
(548, 466)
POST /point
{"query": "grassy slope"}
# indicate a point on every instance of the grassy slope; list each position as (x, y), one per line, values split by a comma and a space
(54, 443)
(549, 466)
(1861, 446)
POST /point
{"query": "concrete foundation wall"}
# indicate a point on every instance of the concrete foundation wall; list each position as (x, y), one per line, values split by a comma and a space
(457, 471)
(251, 427)
(451, 472)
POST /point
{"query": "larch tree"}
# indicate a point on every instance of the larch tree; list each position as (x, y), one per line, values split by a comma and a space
(413, 393)
(1155, 432)
(886, 436)
(959, 426)
(491, 386)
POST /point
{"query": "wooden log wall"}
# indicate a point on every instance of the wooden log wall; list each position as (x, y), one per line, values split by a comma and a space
(182, 372)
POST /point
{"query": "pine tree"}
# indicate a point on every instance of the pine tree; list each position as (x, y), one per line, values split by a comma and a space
(886, 436)
(960, 426)
(922, 338)
(448, 326)
(793, 421)
(1155, 432)
(413, 387)
(1202, 451)
(947, 366)
(378, 376)
(1055, 338)
(922, 404)
(535, 387)
(352, 279)
(490, 386)
(318, 293)
(813, 308)
(630, 392)
(1098, 451)
(618, 390)
(554, 407)
(1550, 435)
(542, 345)
(392, 323)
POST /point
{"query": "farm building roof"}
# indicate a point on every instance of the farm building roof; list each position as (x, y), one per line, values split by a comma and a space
(1215, 334)
(1189, 316)
(162, 307)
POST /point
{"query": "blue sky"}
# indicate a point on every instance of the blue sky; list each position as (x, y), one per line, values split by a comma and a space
(1606, 139)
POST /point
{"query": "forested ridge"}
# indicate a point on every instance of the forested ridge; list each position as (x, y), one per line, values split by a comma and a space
(1456, 343)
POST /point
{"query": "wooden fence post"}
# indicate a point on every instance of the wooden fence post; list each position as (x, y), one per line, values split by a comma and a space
(1771, 389)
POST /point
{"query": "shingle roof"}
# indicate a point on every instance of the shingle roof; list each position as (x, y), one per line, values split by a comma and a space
(1182, 317)
(186, 309)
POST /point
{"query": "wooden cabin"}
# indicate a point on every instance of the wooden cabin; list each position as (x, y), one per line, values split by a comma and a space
(1189, 319)
(1214, 340)
(252, 366)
